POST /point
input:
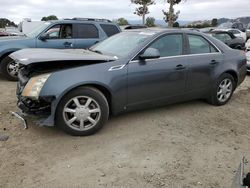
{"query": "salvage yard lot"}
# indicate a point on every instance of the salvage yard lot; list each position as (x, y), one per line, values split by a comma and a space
(187, 145)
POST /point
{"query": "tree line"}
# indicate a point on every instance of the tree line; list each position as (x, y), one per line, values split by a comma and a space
(169, 15)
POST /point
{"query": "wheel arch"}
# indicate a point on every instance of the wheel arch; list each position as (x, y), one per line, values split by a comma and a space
(103, 89)
(233, 74)
(6, 54)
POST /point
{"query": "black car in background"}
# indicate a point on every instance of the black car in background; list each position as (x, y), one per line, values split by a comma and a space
(229, 39)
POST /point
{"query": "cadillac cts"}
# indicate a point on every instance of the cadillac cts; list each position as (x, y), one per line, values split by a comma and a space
(79, 89)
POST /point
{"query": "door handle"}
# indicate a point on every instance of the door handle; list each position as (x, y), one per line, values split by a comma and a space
(214, 62)
(68, 44)
(180, 67)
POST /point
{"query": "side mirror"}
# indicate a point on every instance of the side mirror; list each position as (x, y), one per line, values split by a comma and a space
(243, 30)
(150, 53)
(44, 37)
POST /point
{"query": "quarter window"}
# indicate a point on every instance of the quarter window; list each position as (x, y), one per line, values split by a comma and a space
(85, 31)
(169, 45)
(109, 29)
(198, 45)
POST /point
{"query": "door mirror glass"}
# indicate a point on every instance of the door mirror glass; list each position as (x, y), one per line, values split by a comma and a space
(150, 53)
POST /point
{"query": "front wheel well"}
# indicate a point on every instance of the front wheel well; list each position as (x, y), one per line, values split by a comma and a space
(102, 89)
(5, 55)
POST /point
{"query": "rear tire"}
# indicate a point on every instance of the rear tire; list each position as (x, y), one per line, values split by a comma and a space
(9, 69)
(82, 112)
(223, 90)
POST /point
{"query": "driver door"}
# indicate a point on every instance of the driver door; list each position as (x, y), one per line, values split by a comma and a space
(156, 80)
(59, 36)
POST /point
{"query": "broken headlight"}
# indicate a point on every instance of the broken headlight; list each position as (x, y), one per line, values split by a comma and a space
(35, 85)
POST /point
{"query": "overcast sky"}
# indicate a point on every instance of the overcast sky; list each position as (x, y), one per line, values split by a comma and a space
(191, 10)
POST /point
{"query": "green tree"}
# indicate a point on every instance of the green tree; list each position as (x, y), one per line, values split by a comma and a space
(214, 22)
(122, 21)
(176, 24)
(171, 16)
(48, 18)
(150, 22)
(6, 23)
(142, 10)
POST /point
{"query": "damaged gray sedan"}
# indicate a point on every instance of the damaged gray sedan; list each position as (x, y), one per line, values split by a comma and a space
(79, 89)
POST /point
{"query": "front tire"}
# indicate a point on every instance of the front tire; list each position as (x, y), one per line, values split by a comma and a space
(82, 112)
(223, 90)
(9, 69)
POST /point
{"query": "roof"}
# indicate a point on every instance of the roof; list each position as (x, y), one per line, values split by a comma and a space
(162, 30)
(85, 20)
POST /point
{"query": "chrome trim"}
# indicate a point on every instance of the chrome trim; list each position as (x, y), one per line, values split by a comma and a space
(117, 67)
(170, 57)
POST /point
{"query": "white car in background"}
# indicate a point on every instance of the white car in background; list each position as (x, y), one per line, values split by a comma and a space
(248, 45)
(236, 32)
(248, 61)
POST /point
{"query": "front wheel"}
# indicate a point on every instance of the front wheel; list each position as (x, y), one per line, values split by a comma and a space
(9, 69)
(223, 90)
(82, 112)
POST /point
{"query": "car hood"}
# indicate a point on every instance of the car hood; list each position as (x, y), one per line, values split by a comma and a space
(33, 56)
(13, 38)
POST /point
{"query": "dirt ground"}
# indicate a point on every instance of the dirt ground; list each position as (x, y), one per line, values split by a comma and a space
(184, 145)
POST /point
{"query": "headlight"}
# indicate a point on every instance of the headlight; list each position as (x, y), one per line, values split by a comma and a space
(35, 85)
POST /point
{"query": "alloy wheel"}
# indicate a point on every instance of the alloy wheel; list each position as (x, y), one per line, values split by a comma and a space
(81, 113)
(225, 90)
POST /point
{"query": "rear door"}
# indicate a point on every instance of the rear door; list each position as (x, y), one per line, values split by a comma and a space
(87, 35)
(203, 59)
(158, 79)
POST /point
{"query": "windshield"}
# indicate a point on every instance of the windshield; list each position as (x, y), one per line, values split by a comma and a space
(38, 30)
(121, 44)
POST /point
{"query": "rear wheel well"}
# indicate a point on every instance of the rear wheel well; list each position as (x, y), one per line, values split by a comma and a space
(234, 75)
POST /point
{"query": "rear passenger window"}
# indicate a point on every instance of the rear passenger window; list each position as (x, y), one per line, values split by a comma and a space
(198, 45)
(109, 29)
(85, 31)
(169, 45)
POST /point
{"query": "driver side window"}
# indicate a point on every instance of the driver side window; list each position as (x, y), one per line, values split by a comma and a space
(169, 45)
(63, 31)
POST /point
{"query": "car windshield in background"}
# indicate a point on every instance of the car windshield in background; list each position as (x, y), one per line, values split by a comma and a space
(38, 30)
(121, 44)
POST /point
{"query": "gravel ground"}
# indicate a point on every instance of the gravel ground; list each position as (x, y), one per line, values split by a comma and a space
(184, 145)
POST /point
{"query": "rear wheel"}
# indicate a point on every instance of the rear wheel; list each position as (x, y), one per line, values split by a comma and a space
(9, 69)
(82, 112)
(223, 90)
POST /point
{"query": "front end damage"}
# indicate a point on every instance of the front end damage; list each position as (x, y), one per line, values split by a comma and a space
(39, 107)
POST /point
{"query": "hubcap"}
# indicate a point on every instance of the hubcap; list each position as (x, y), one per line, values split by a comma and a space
(81, 113)
(225, 90)
(13, 68)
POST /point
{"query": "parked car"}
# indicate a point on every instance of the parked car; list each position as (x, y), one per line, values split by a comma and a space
(236, 32)
(247, 45)
(248, 61)
(73, 33)
(134, 26)
(78, 90)
(3, 34)
(233, 25)
(248, 31)
(229, 39)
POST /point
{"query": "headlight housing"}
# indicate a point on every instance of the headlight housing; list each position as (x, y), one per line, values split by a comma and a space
(34, 86)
